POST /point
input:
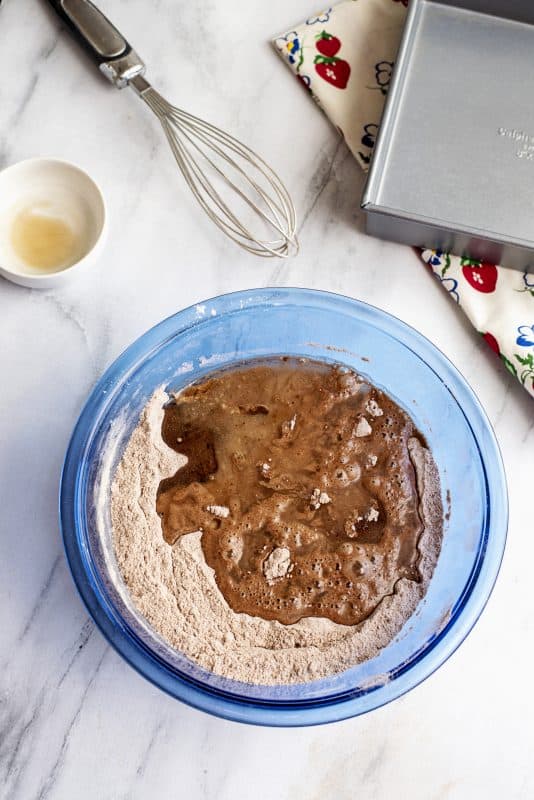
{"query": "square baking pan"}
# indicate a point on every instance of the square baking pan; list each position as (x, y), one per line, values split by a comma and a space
(453, 167)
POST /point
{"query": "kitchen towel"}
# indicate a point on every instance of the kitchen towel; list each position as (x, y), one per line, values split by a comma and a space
(344, 56)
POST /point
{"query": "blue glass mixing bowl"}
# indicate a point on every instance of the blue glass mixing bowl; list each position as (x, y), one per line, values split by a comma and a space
(251, 324)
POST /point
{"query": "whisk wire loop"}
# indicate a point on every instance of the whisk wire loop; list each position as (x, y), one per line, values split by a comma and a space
(204, 152)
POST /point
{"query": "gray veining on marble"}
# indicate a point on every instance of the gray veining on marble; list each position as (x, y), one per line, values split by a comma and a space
(75, 721)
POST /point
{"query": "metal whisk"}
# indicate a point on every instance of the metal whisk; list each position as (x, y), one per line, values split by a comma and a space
(238, 191)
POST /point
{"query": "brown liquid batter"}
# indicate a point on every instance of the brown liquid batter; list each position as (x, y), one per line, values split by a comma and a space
(299, 476)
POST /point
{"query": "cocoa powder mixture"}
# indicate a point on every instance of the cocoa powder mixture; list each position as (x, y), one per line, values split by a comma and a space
(278, 523)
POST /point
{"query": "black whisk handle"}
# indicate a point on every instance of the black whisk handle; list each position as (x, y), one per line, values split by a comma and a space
(107, 47)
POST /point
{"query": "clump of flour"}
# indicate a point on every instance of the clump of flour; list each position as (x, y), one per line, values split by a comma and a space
(175, 590)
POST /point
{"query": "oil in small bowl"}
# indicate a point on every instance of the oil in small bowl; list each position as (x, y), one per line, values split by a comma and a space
(44, 241)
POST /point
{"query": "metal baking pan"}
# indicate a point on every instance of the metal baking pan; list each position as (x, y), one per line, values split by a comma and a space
(453, 167)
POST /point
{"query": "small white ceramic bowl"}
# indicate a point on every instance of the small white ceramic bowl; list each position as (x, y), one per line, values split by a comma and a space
(64, 192)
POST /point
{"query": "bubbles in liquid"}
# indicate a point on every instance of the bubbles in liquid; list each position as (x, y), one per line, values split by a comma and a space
(332, 571)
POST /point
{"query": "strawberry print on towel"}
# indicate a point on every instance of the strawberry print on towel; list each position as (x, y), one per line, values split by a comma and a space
(327, 44)
(335, 71)
(494, 298)
(328, 66)
(322, 54)
(480, 275)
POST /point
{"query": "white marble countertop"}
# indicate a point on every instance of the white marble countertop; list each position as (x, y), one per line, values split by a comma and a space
(75, 721)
